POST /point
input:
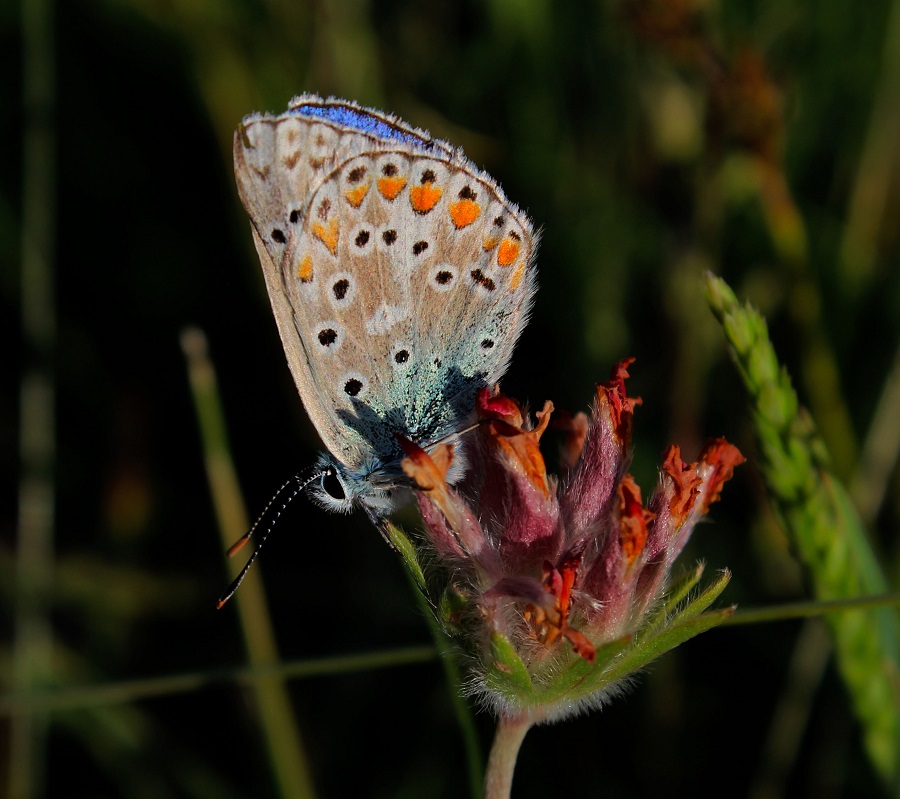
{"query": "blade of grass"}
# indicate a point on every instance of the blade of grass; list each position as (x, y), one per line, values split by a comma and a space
(32, 648)
(870, 200)
(284, 745)
(824, 528)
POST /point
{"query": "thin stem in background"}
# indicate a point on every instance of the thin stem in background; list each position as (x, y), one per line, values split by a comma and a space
(812, 609)
(33, 646)
(812, 652)
(880, 449)
(818, 368)
(81, 697)
(876, 174)
(290, 766)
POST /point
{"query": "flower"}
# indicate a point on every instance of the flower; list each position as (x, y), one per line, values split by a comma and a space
(558, 589)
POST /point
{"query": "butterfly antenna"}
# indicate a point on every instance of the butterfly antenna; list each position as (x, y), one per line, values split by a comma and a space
(238, 545)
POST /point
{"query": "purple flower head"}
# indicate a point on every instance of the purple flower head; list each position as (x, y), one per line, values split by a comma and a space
(549, 579)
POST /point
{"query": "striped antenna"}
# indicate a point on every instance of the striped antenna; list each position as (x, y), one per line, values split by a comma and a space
(238, 545)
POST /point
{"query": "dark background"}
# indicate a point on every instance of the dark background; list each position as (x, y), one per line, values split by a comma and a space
(650, 141)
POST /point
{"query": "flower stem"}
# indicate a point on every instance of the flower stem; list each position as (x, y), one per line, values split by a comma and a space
(502, 761)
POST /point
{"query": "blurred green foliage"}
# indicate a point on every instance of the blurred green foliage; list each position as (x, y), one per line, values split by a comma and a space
(651, 140)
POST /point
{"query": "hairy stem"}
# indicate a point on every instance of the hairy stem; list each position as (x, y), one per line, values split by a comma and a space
(504, 752)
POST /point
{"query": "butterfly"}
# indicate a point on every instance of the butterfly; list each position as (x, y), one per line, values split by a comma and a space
(400, 277)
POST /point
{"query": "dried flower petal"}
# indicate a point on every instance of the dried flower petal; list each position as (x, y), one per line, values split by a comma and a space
(576, 429)
(722, 458)
(685, 483)
(633, 519)
(520, 449)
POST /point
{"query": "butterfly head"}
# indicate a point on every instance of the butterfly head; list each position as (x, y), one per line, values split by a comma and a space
(340, 489)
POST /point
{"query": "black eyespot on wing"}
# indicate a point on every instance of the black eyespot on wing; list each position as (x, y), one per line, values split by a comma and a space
(466, 193)
(483, 280)
(327, 337)
(428, 176)
(279, 236)
(487, 344)
(295, 217)
(401, 356)
(389, 237)
(443, 277)
(419, 247)
(362, 238)
(353, 386)
(332, 486)
(356, 174)
(389, 170)
(340, 288)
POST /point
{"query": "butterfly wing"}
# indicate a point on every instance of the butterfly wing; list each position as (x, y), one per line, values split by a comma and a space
(399, 274)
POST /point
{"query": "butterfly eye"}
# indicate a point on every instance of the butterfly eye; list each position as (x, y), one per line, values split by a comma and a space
(332, 486)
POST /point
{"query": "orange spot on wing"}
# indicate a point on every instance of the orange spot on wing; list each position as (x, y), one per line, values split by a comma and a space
(305, 269)
(357, 195)
(508, 252)
(517, 276)
(327, 234)
(423, 198)
(391, 187)
(464, 212)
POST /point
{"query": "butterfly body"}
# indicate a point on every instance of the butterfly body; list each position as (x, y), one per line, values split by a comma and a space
(400, 278)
